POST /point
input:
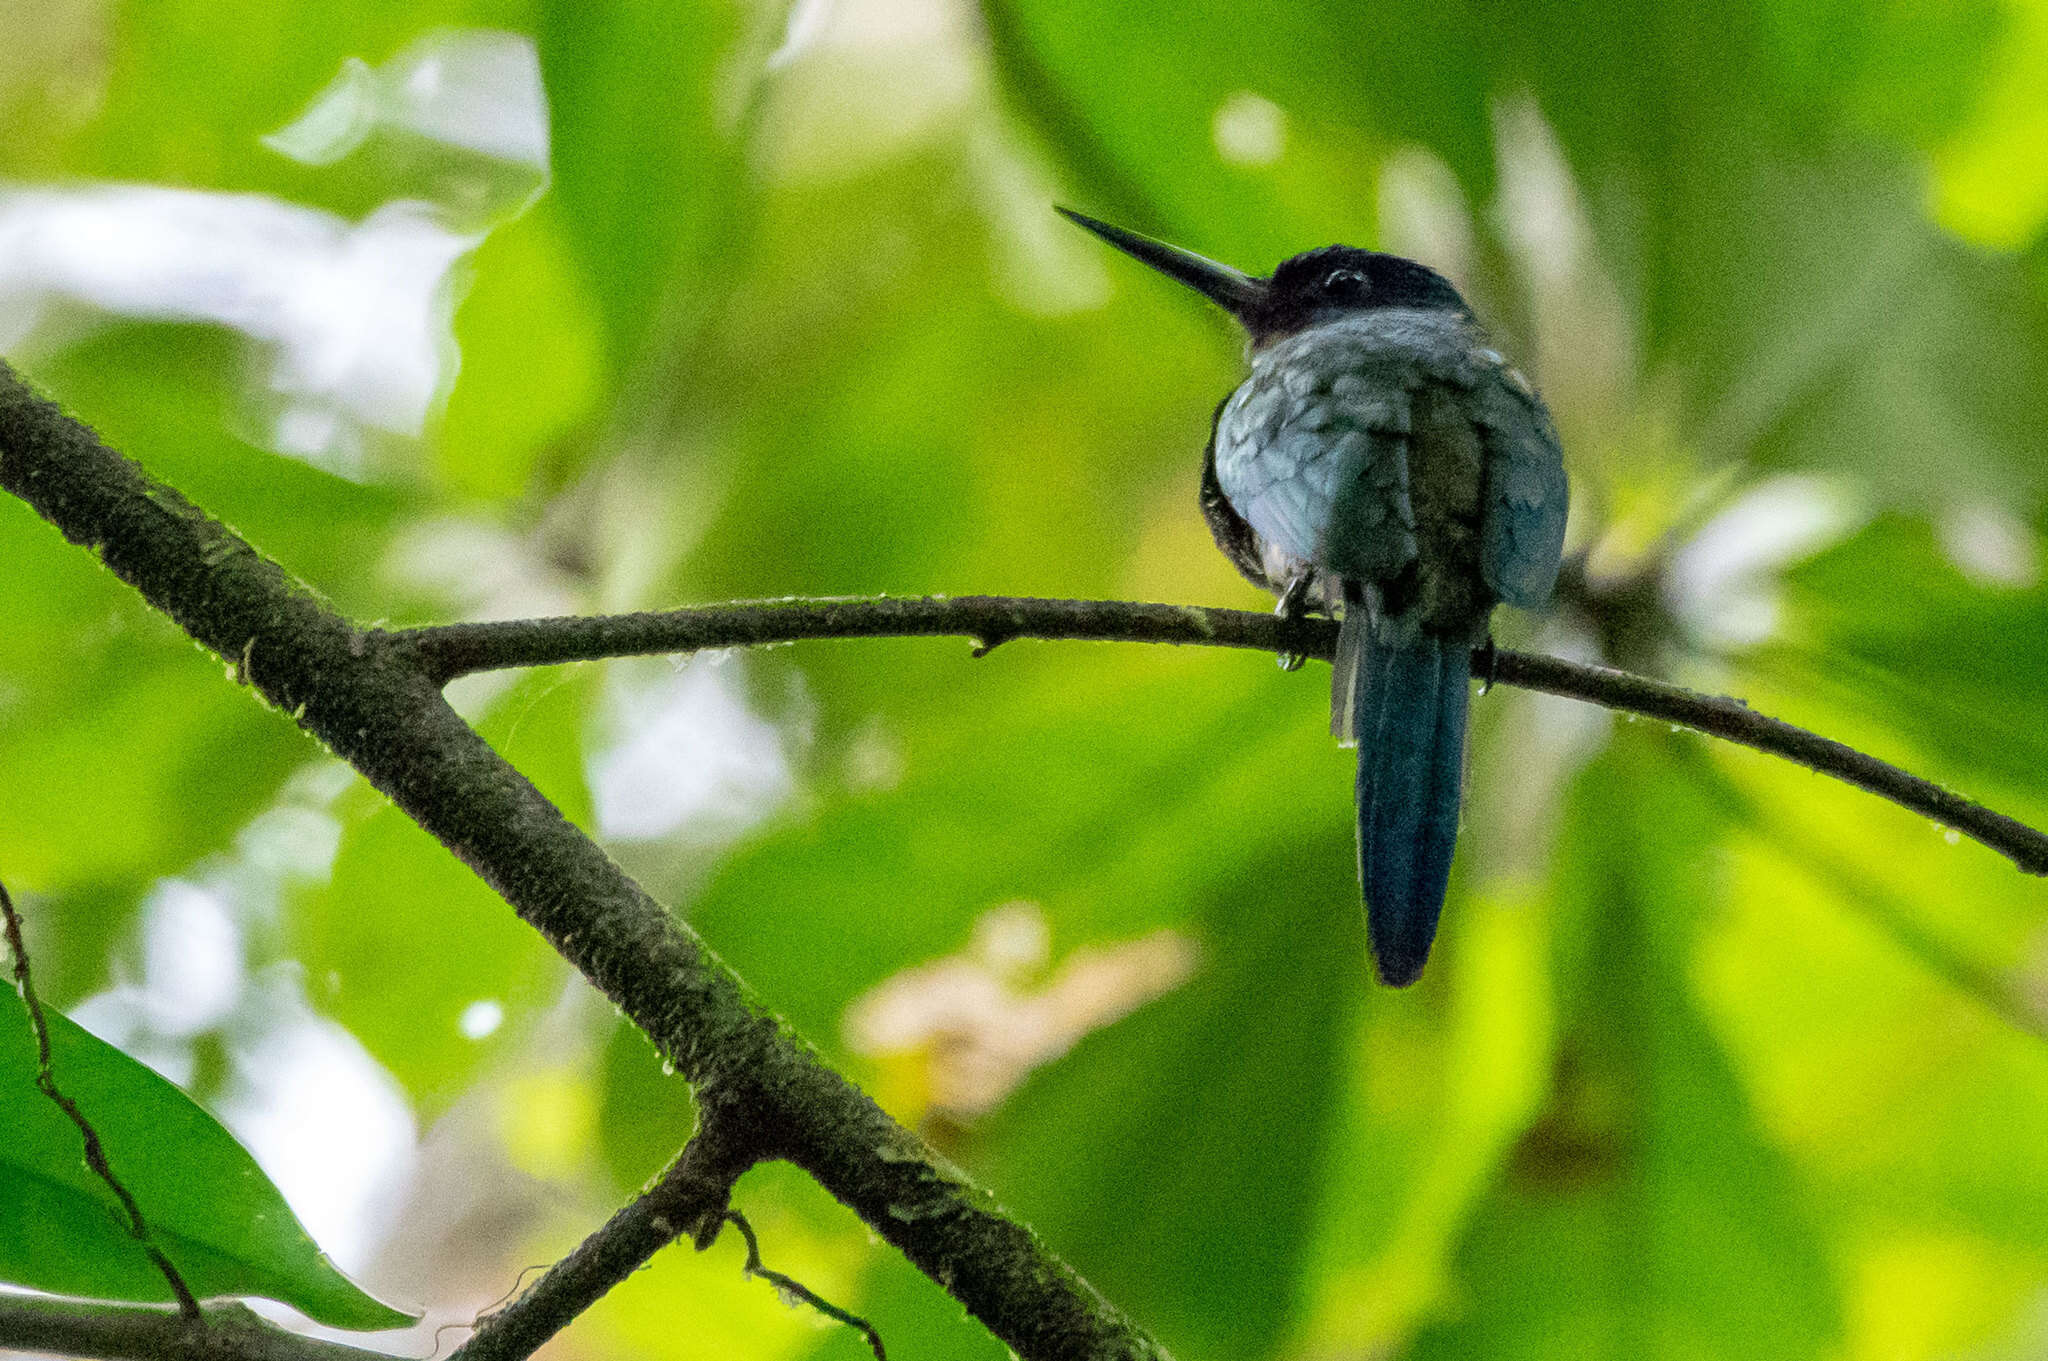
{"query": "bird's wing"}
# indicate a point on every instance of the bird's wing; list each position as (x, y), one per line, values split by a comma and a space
(1312, 451)
(1232, 532)
(1526, 495)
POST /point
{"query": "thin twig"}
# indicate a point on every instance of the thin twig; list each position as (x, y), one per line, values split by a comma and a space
(689, 1199)
(95, 1151)
(791, 1286)
(452, 650)
(459, 649)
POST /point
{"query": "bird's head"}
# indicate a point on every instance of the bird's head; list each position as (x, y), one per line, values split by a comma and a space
(1306, 290)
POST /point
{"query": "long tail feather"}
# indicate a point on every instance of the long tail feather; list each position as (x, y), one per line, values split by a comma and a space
(1407, 712)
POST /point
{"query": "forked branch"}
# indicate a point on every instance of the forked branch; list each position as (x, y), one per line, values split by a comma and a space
(374, 706)
(375, 699)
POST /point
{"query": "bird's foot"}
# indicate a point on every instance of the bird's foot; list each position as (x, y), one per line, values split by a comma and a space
(1293, 604)
(1486, 659)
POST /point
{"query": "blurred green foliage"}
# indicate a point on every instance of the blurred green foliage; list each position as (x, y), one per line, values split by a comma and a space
(1716, 1059)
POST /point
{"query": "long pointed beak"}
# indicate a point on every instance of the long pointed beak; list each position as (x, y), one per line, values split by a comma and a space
(1235, 291)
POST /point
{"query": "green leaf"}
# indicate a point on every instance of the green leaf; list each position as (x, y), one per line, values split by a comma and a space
(1946, 675)
(1886, 348)
(118, 722)
(1849, 919)
(170, 397)
(1204, 1236)
(1645, 1212)
(210, 1209)
(1438, 1089)
(645, 1111)
(194, 86)
(1105, 779)
(110, 713)
(645, 170)
(530, 360)
(1154, 149)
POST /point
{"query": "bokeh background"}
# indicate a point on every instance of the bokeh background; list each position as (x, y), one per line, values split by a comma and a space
(478, 308)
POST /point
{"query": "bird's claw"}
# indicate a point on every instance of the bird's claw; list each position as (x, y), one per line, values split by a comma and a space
(1293, 604)
(1488, 658)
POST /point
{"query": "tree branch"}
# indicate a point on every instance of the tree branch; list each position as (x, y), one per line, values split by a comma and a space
(147, 1333)
(452, 650)
(374, 706)
(374, 698)
(691, 1198)
(459, 649)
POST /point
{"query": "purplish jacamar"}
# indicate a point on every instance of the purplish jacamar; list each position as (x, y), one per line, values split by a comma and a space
(1385, 464)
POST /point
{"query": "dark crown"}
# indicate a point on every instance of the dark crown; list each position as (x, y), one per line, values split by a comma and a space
(1320, 284)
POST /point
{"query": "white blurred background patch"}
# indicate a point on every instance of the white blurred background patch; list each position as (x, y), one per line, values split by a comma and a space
(350, 324)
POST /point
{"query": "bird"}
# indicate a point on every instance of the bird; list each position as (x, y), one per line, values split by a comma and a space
(1382, 463)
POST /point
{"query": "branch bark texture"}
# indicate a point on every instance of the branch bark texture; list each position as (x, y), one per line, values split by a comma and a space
(374, 706)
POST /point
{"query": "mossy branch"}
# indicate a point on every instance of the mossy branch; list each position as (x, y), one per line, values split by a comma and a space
(374, 697)
(370, 700)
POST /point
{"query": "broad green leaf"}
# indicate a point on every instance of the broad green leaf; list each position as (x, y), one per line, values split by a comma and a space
(642, 98)
(167, 396)
(1888, 347)
(904, 418)
(118, 721)
(192, 88)
(866, 400)
(645, 1113)
(114, 720)
(209, 1208)
(1992, 187)
(1164, 150)
(1946, 673)
(162, 731)
(1244, 1063)
(1848, 920)
(1104, 779)
(1645, 1211)
(1437, 1092)
(531, 361)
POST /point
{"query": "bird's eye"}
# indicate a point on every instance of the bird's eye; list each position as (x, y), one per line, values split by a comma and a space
(1345, 285)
